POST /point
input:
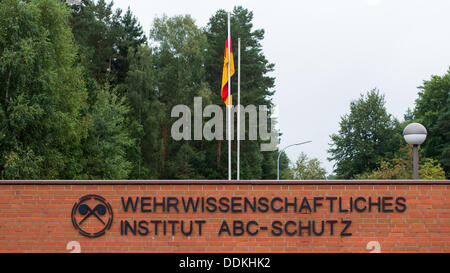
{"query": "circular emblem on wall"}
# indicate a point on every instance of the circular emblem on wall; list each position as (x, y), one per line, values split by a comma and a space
(92, 216)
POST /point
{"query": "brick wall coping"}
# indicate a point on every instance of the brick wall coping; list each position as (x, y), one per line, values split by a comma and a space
(223, 182)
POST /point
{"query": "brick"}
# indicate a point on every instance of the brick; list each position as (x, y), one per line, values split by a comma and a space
(36, 218)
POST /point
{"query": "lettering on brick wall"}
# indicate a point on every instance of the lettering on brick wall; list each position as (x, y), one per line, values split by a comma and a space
(302, 210)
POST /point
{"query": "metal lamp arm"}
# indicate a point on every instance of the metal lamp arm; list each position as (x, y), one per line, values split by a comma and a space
(279, 154)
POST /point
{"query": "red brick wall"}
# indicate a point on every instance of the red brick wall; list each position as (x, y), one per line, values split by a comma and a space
(37, 218)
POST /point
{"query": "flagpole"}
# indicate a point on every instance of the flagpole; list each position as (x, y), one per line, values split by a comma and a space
(229, 99)
(239, 107)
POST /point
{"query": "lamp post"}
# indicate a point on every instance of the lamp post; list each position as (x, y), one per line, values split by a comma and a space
(415, 134)
(279, 154)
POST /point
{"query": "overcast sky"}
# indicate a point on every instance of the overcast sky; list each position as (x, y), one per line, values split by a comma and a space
(327, 52)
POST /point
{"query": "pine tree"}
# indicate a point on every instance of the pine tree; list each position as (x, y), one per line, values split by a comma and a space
(146, 110)
(178, 54)
(256, 89)
(109, 138)
(105, 37)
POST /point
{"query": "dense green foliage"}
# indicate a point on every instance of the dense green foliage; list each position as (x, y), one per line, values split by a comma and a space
(109, 139)
(433, 111)
(308, 169)
(104, 37)
(85, 94)
(254, 80)
(401, 167)
(43, 93)
(367, 135)
(369, 143)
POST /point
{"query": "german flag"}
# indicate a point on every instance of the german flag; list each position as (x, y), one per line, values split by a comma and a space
(224, 90)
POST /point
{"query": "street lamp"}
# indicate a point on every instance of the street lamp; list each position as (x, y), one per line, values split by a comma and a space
(415, 134)
(279, 154)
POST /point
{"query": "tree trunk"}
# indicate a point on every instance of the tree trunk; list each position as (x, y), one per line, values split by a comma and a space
(109, 66)
(165, 136)
(219, 151)
(7, 87)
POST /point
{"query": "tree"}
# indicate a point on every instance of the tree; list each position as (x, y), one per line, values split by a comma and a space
(308, 169)
(367, 135)
(432, 110)
(146, 109)
(43, 96)
(401, 168)
(389, 170)
(269, 166)
(443, 126)
(92, 28)
(85, 97)
(431, 169)
(130, 36)
(256, 85)
(178, 47)
(105, 37)
(109, 139)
